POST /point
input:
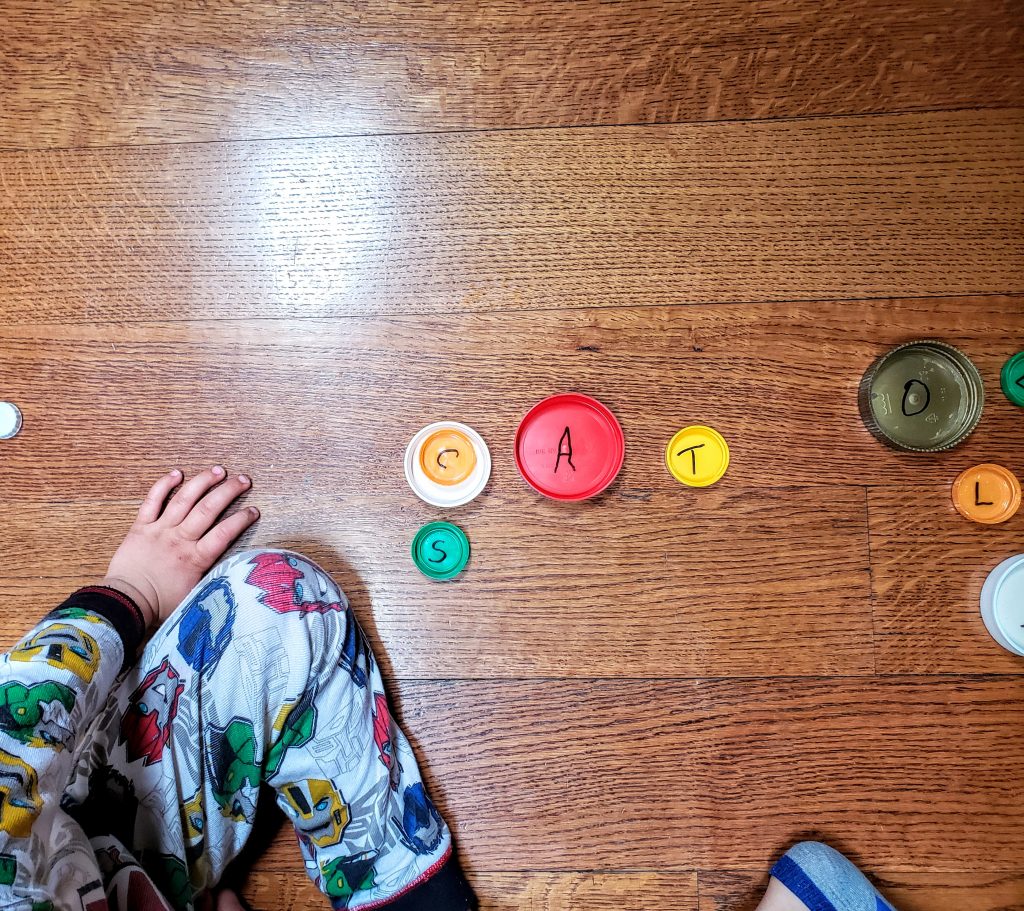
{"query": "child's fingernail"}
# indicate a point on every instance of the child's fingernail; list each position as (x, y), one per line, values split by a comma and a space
(243, 479)
(254, 511)
(217, 470)
(174, 472)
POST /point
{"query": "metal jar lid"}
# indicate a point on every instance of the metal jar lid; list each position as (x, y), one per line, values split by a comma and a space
(924, 396)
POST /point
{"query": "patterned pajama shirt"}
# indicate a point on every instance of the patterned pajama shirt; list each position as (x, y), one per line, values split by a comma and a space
(132, 784)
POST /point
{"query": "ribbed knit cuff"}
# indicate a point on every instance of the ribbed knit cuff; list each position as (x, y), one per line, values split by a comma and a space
(441, 888)
(117, 609)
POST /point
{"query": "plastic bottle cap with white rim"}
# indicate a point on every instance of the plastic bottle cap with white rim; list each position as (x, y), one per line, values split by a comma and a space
(447, 464)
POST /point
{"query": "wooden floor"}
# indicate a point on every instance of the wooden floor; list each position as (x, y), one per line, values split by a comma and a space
(287, 234)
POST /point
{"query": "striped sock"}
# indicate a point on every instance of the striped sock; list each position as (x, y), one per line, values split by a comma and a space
(824, 880)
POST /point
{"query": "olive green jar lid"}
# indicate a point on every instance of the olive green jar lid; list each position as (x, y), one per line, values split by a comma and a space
(923, 396)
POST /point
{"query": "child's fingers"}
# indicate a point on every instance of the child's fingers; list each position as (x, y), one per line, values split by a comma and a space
(150, 509)
(189, 493)
(199, 521)
(219, 538)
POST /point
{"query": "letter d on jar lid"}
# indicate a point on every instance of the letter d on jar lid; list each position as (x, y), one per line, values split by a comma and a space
(923, 396)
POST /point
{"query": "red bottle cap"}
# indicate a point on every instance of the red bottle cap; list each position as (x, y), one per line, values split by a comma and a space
(569, 447)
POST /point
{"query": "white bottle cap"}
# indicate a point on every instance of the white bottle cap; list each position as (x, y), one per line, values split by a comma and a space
(10, 420)
(1002, 604)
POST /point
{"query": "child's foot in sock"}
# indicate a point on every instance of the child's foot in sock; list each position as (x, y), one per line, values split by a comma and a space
(823, 880)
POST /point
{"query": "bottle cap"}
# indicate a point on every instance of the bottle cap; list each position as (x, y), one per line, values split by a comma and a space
(697, 456)
(1002, 604)
(1011, 378)
(447, 464)
(989, 494)
(922, 397)
(440, 550)
(10, 420)
(569, 447)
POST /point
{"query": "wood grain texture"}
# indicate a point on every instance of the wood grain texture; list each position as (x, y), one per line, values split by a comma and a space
(922, 550)
(619, 589)
(923, 773)
(911, 205)
(719, 891)
(165, 71)
(319, 413)
(327, 407)
(666, 680)
(908, 891)
(939, 892)
(514, 891)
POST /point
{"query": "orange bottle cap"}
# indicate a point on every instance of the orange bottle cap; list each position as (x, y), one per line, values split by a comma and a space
(447, 464)
(987, 493)
(447, 456)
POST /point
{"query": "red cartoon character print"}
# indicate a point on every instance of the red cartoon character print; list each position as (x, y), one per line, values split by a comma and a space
(146, 725)
(290, 584)
(382, 737)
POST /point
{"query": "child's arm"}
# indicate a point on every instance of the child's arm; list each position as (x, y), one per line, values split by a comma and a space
(57, 679)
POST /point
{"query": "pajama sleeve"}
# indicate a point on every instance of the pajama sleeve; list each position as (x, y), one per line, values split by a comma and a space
(53, 684)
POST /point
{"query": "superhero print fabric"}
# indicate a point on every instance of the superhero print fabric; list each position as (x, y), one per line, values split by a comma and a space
(137, 792)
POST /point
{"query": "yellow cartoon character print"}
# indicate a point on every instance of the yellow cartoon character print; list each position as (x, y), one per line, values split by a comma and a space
(20, 802)
(317, 810)
(62, 645)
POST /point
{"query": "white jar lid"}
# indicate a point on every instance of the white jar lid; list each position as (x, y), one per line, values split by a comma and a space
(10, 420)
(1002, 604)
(447, 464)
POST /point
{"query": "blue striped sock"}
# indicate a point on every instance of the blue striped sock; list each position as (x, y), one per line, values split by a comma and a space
(824, 880)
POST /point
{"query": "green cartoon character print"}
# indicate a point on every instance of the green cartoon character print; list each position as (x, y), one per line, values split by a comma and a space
(8, 869)
(345, 876)
(294, 727)
(234, 769)
(37, 714)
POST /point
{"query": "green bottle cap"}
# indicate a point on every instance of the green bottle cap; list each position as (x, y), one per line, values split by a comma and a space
(1011, 378)
(922, 397)
(440, 550)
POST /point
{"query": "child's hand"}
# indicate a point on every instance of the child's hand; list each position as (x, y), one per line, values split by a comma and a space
(174, 542)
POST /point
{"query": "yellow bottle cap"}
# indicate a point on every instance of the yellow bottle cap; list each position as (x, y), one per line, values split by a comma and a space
(987, 493)
(447, 456)
(697, 456)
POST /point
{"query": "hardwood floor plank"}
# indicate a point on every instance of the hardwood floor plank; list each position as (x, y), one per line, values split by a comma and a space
(620, 589)
(928, 567)
(514, 891)
(910, 205)
(172, 72)
(920, 773)
(945, 892)
(742, 891)
(326, 408)
(732, 890)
